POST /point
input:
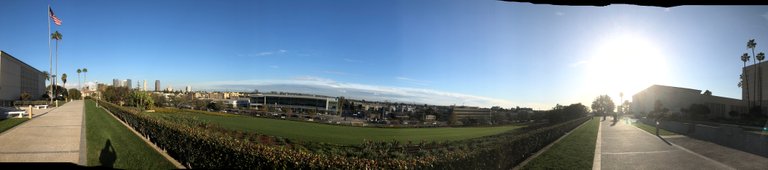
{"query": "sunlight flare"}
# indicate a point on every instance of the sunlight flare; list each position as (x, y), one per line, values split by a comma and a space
(625, 63)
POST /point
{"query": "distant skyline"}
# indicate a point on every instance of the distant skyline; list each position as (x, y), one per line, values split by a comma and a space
(482, 53)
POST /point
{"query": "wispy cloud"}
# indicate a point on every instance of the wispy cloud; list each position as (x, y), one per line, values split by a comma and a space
(765, 16)
(274, 66)
(335, 72)
(266, 53)
(558, 13)
(352, 60)
(413, 81)
(323, 86)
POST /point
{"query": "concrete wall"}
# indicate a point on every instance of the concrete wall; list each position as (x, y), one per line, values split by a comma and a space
(726, 135)
(17, 77)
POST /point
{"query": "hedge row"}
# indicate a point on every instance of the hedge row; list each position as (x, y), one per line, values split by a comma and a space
(201, 146)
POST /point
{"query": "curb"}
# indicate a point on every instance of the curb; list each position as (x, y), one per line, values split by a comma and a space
(83, 140)
(597, 161)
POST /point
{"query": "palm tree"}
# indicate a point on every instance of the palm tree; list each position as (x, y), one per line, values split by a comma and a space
(54, 88)
(745, 58)
(78, 79)
(64, 79)
(760, 56)
(751, 44)
(47, 78)
(85, 77)
(56, 36)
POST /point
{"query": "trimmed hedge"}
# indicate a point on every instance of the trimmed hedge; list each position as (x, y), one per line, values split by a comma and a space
(198, 145)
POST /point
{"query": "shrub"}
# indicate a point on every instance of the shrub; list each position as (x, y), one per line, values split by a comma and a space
(199, 145)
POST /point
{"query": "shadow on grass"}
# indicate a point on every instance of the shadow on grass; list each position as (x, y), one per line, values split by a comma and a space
(108, 155)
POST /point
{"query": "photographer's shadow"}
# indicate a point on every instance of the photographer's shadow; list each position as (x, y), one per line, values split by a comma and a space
(108, 155)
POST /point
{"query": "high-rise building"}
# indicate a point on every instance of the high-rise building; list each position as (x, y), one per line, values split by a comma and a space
(116, 83)
(157, 85)
(189, 89)
(128, 83)
(144, 88)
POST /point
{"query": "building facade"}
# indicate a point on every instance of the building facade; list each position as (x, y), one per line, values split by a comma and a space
(157, 85)
(677, 99)
(754, 85)
(466, 113)
(305, 102)
(17, 77)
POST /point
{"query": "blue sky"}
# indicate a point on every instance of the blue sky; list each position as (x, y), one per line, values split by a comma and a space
(454, 52)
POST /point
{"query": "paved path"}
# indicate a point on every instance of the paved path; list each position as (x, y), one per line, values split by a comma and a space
(51, 137)
(625, 147)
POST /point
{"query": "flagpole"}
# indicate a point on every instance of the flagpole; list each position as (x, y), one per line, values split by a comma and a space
(50, 55)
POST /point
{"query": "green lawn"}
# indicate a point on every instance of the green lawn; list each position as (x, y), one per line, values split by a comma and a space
(652, 129)
(10, 123)
(576, 151)
(127, 151)
(338, 134)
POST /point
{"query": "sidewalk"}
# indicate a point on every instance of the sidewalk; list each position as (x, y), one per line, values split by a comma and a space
(624, 146)
(51, 137)
(731, 157)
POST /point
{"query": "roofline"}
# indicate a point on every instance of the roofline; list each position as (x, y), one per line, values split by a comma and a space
(699, 91)
(22, 62)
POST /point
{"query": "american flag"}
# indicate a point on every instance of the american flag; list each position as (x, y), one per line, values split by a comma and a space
(56, 20)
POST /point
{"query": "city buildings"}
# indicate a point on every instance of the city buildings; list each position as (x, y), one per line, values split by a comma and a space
(17, 77)
(467, 114)
(157, 85)
(144, 87)
(677, 100)
(188, 89)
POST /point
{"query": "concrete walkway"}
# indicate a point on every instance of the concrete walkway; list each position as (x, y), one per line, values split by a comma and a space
(624, 146)
(51, 137)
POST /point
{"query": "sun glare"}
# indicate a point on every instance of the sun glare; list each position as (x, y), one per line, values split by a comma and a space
(624, 64)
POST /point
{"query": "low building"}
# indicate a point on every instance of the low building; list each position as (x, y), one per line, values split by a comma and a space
(295, 101)
(17, 77)
(678, 99)
(470, 113)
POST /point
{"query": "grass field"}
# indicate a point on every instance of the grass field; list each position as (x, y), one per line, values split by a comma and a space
(109, 142)
(652, 129)
(576, 151)
(338, 134)
(10, 123)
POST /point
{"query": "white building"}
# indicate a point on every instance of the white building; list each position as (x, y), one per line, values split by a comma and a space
(188, 89)
(676, 99)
